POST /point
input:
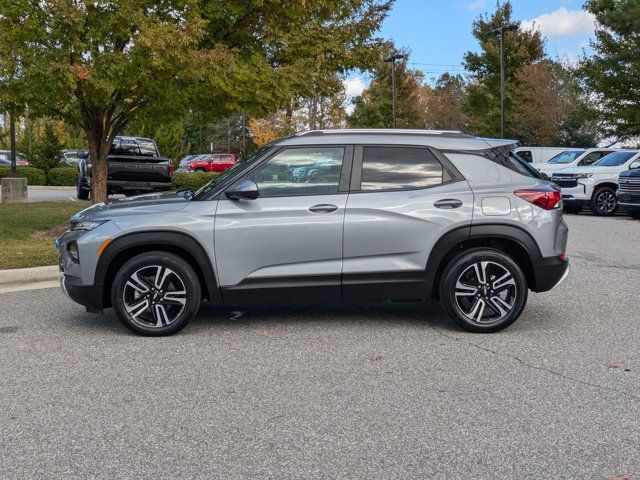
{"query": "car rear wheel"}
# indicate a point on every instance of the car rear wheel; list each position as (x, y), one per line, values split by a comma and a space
(483, 290)
(156, 293)
(604, 202)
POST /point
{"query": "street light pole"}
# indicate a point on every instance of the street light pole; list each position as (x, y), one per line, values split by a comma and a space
(509, 27)
(12, 140)
(393, 59)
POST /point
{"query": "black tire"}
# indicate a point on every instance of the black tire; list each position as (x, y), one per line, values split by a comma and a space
(128, 295)
(572, 209)
(462, 308)
(604, 202)
(199, 170)
(83, 193)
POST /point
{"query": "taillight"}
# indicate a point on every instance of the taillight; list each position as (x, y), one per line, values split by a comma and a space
(171, 169)
(545, 197)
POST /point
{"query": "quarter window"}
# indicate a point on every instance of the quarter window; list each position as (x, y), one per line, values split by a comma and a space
(300, 171)
(526, 155)
(399, 168)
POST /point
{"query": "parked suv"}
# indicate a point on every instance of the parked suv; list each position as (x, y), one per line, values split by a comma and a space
(629, 189)
(572, 158)
(212, 163)
(594, 186)
(412, 215)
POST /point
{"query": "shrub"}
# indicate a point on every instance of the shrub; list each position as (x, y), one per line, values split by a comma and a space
(34, 176)
(63, 176)
(191, 181)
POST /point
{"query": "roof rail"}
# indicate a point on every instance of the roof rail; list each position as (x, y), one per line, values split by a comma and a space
(378, 131)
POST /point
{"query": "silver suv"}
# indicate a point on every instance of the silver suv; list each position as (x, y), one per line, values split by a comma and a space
(325, 216)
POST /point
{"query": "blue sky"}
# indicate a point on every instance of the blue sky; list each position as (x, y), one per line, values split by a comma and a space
(438, 33)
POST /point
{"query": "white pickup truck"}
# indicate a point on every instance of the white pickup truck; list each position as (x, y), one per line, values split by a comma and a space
(595, 185)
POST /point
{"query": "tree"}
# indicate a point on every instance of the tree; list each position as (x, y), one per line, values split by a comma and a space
(444, 103)
(612, 73)
(557, 110)
(373, 109)
(47, 150)
(98, 64)
(521, 48)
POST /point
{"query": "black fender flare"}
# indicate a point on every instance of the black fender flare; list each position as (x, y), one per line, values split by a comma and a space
(448, 242)
(176, 242)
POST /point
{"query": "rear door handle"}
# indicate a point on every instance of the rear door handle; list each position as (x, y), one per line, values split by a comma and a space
(323, 208)
(448, 203)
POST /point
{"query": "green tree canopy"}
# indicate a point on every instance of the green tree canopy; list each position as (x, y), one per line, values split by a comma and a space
(521, 48)
(373, 109)
(97, 64)
(612, 73)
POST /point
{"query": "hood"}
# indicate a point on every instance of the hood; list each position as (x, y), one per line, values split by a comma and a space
(141, 204)
(635, 173)
(549, 168)
(587, 169)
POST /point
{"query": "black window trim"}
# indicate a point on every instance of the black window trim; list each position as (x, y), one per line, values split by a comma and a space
(448, 167)
(343, 182)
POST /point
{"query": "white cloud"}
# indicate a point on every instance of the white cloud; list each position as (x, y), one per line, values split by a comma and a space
(562, 23)
(354, 86)
(477, 5)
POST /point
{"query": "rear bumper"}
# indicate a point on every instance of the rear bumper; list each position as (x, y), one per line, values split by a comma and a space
(549, 272)
(89, 296)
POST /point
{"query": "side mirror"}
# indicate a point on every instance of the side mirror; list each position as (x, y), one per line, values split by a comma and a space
(245, 189)
(634, 165)
(544, 176)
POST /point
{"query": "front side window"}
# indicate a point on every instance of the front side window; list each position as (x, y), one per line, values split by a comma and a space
(592, 158)
(399, 168)
(300, 171)
(615, 159)
(566, 157)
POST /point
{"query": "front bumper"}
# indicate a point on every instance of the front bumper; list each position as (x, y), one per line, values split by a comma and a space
(578, 195)
(89, 296)
(549, 272)
(630, 201)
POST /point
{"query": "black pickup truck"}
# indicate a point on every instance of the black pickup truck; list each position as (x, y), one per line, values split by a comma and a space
(629, 190)
(134, 166)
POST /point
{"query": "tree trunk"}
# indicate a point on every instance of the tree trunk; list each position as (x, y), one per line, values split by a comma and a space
(98, 153)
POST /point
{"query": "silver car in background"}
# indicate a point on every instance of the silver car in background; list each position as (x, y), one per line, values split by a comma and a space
(377, 215)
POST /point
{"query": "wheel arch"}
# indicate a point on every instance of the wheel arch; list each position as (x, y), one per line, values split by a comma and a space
(512, 240)
(122, 249)
(609, 184)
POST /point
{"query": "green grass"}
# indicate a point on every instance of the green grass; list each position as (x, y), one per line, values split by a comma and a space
(28, 230)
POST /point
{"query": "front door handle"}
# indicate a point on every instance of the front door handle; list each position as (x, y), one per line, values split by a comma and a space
(323, 208)
(448, 203)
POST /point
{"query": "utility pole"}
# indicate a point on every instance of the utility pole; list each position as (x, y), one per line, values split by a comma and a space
(509, 27)
(392, 59)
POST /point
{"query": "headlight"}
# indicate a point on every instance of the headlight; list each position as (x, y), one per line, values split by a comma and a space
(583, 175)
(85, 225)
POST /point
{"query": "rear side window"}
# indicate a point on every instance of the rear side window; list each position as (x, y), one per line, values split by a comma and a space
(399, 168)
(525, 155)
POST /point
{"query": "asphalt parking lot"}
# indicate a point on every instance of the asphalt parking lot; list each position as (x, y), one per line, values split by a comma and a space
(337, 391)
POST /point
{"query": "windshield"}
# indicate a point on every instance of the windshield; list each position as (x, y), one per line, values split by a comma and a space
(218, 179)
(615, 159)
(566, 157)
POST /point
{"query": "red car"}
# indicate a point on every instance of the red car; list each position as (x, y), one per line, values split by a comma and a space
(5, 159)
(216, 162)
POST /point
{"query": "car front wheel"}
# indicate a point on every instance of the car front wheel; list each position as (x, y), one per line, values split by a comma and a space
(483, 290)
(156, 293)
(604, 202)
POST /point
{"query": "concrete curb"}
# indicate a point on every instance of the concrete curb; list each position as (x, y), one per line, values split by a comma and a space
(29, 275)
(47, 187)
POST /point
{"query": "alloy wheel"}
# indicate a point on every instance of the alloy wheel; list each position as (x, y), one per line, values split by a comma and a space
(485, 292)
(154, 296)
(606, 201)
